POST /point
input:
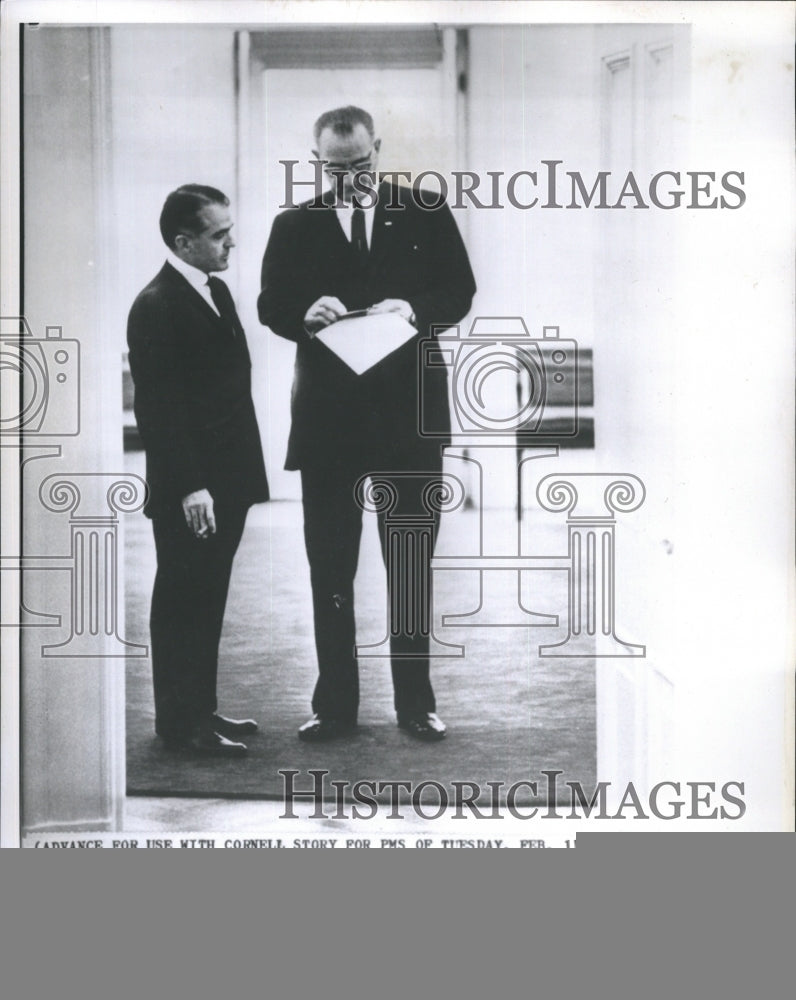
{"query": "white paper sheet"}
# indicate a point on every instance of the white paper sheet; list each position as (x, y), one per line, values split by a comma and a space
(361, 342)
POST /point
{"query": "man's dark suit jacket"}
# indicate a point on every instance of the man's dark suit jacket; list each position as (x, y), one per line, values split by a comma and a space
(416, 255)
(193, 402)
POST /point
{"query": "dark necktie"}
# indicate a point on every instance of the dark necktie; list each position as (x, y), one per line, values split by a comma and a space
(359, 239)
(222, 300)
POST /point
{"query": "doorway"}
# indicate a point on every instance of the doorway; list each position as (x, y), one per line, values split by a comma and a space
(406, 78)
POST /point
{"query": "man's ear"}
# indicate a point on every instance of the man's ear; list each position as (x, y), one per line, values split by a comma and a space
(377, 144)
(181, 242)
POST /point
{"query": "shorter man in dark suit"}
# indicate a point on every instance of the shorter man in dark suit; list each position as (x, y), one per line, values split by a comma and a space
(192, 372)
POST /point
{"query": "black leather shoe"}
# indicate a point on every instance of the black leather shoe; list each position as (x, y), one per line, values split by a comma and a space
(428, 727)
(234, 727)
(215, 745)
(318, 730)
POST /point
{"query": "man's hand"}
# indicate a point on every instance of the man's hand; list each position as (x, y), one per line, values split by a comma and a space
(323, 312)
(198, 510)
(400, 306)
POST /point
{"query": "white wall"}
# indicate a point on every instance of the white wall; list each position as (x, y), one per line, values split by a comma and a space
(73, 709)
(532, 97)
(735, 366)
(173, 110)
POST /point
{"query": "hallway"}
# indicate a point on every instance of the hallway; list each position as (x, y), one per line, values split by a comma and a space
(511, 713)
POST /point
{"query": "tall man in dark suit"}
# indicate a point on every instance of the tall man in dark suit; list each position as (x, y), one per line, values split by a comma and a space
(192, 373)
(324, 258)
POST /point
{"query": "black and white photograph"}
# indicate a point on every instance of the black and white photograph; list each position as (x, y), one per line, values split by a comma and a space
(397, 422)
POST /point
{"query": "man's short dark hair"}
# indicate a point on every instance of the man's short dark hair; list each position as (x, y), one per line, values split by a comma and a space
(343, 121)
(182, 207)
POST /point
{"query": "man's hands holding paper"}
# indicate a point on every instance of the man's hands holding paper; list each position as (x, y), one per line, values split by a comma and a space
(400, 306)
(328, 310)
(320, 314)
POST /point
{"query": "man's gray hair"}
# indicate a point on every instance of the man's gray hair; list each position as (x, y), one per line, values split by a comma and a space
(343, 121)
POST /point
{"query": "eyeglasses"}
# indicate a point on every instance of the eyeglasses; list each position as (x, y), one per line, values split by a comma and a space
(354, 167)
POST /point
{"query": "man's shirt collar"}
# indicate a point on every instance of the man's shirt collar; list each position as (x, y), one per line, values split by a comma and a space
(197, 279)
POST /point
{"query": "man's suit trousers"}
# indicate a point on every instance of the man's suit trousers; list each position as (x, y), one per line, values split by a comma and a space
(188, 602)
(332, 531)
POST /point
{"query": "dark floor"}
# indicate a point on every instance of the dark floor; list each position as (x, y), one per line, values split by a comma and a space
(511, 713)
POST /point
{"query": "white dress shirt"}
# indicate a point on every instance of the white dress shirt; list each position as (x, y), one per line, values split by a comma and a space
(345, 215)
(196, 278)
